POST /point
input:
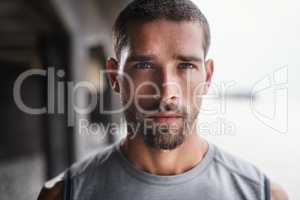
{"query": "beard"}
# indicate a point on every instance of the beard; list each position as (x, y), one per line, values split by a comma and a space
(164, 136)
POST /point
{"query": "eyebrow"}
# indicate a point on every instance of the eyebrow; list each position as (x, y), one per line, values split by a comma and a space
(135, 58)
(141, 57)
(187, 58)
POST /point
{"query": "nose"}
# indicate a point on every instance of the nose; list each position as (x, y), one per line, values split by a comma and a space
(170, 86)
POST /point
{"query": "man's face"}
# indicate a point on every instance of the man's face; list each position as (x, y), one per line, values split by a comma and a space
(163, 76)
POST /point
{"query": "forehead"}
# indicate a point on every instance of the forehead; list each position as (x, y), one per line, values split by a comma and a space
(165, 37)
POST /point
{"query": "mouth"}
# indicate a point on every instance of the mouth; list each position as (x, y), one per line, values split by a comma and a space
(165, 117)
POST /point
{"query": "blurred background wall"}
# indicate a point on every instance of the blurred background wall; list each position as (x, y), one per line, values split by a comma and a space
(69, 40)
(252, 109)
(255, 45)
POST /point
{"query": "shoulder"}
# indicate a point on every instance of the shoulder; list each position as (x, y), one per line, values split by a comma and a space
(238, 167)
(245, 170)
(54, 188)
(92, 163)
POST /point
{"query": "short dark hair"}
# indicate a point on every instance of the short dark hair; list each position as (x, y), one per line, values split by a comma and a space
(151, 10)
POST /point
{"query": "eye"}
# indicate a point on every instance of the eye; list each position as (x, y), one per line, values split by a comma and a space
(186, 66)
(143, 65)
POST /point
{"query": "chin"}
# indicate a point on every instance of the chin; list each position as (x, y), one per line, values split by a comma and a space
(164, 141)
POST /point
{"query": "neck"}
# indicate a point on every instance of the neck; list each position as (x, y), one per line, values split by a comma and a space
(165, 162)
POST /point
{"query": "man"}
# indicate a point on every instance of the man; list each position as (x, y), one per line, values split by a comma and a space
(161, 73)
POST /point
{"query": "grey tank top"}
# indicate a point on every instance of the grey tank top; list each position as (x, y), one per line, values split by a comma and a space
(219, 176)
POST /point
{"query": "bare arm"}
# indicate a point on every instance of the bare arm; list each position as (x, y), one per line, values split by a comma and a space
(277, 192)
(53, 190)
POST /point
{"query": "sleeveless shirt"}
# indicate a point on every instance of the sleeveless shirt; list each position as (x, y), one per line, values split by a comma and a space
(108, 175)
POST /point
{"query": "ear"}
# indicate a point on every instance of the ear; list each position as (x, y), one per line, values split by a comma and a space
(209, 68)
(112, 69)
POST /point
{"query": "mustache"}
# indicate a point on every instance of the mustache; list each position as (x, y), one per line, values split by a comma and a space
(158, 107)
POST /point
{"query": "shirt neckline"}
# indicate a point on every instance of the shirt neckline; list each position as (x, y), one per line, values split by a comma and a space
(168, 179)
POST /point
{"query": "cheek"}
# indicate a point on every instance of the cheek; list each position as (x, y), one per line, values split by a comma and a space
(126, 92)
(140, 93)
(145, 83)
(193, 92)
(194, 85)
(145, 93)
